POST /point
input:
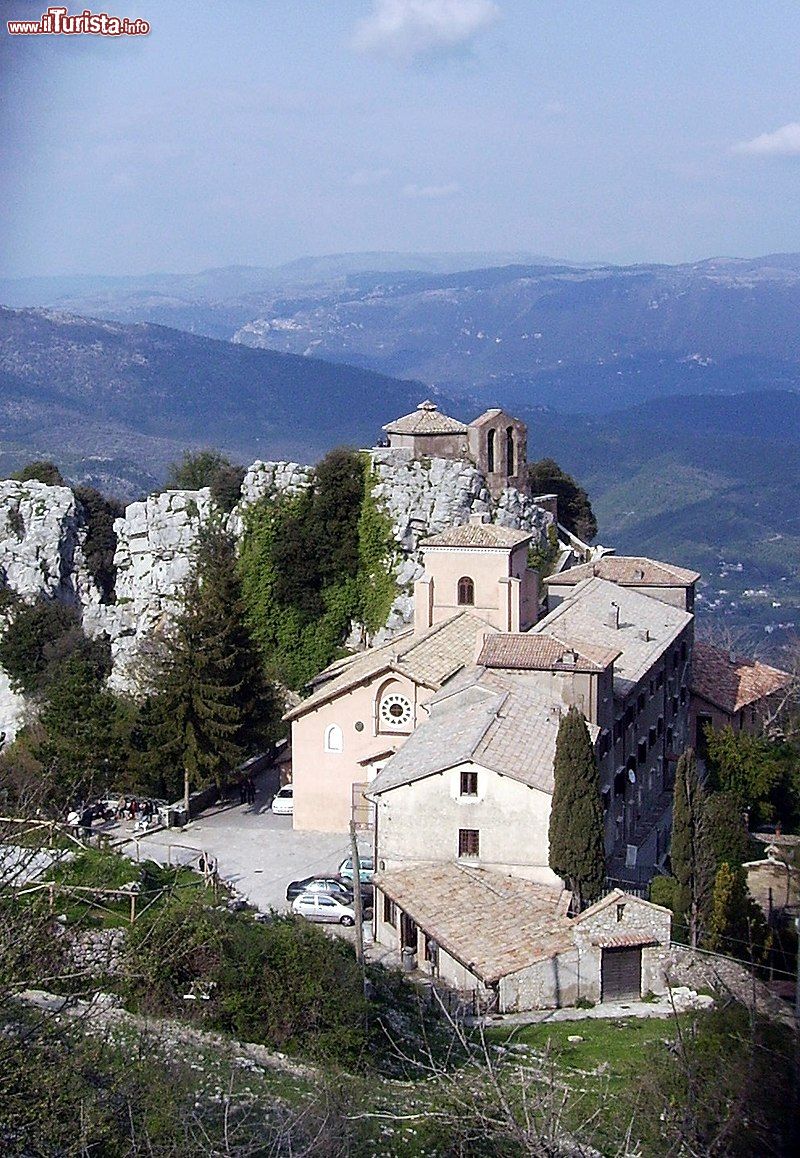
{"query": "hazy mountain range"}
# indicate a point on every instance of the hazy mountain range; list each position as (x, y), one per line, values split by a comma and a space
(669, 391)
(580, 339)
(120, 402)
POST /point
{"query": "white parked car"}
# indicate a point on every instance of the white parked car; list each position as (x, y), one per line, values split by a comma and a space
(283, 804)
(324, 907)
(366, 868)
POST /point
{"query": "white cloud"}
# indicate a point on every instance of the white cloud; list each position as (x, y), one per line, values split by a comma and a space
(431, 192)
(406, 28)
(783, 142)
(364, 178)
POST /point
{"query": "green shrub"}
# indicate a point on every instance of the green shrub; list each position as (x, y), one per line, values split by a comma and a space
(664, 891)
(38, 637)
(282, 983)
(43, 472)
(98, 514)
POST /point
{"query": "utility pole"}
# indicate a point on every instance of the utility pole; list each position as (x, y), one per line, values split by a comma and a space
(797, 984)
(357, 907)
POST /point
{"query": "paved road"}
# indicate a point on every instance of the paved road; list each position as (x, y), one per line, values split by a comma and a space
(257, 852)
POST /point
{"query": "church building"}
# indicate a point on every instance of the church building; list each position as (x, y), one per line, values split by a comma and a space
(363, 708)
(495, 441)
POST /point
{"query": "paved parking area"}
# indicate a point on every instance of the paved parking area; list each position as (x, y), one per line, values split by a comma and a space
(257, 852)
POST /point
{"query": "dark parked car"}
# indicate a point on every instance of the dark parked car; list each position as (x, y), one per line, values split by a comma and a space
(331, 885)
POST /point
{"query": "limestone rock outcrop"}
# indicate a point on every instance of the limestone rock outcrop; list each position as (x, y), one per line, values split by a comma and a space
(41, 541)
(41, 544)
(41, 554)
(156, 543)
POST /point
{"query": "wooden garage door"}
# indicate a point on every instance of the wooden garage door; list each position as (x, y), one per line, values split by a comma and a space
(621, 974)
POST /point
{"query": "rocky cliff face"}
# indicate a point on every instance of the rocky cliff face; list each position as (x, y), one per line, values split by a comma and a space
(41, 541)
(41, 554)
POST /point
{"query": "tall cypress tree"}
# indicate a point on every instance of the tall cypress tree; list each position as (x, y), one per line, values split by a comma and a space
(691, 851)
(576, 815)
(736, 925)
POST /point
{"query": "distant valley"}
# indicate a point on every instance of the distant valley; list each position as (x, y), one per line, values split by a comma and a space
(114, 404)
(708, 482)
(669, 392)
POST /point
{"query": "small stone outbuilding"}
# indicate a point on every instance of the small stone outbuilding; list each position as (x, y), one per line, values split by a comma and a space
(509, 945)
(426, 432)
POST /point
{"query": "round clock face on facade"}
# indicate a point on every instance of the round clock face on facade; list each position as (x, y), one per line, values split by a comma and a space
(395, 711)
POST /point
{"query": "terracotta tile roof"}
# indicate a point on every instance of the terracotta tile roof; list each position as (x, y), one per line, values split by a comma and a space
(730, 683)
(493, 924)
(627, 570)
(429, 658)
(646, 628)
(624, 940)
(478, 535)
(543, 652)
(426, 419)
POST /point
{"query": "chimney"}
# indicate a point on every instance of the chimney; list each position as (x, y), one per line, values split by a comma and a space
(612, 619)
(478, 518)
(423, 604)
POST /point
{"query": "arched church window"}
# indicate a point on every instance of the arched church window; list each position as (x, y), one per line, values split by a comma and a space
(490, 451)
(334, 739)
(466, 592)
(510, 451)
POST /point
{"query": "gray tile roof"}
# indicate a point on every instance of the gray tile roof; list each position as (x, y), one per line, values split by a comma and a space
(630, 570)
(495, 719)
(426, 419)
(492, 923)
(646, 629)
(429, 658)
(478, 535)
(449, 736)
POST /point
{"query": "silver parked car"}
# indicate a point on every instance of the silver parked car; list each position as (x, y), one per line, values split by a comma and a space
(324, 907)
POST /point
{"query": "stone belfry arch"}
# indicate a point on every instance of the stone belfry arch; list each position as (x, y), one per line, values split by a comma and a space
(498, 443)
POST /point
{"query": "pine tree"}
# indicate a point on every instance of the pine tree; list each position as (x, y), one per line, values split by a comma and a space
(691, 852)
(214, 705)
(576, 815)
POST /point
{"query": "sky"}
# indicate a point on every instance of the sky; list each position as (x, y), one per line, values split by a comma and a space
(257, 131)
